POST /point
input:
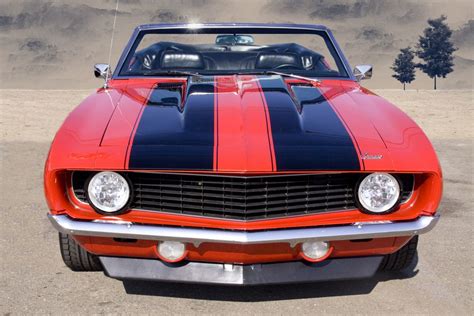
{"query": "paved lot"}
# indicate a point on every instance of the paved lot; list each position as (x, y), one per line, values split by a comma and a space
(34, 279)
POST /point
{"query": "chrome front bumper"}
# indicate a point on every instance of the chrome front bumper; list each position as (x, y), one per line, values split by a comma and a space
(66, 225)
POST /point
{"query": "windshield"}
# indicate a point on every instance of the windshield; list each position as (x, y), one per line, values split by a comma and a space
(235, 51)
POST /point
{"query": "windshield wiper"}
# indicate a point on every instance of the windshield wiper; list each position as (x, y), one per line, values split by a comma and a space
(171, 73)
(190, 73)
(284, 74)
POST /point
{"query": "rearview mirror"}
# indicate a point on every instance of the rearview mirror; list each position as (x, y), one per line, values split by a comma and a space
(362, 72)
(102, 71)
(234, 39)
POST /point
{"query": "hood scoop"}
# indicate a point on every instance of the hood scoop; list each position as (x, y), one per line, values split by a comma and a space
(304, 94)
(168, 95)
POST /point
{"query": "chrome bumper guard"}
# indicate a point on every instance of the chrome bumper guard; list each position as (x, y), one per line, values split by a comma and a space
(66, 225)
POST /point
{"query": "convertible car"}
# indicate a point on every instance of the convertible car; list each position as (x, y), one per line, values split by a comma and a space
(239, 154)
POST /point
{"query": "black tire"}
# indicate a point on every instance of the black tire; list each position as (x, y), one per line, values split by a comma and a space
(76, 257)
(401, 259)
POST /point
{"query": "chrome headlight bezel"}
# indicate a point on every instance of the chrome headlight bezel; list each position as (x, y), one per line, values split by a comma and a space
(124, 205)
(392, 207)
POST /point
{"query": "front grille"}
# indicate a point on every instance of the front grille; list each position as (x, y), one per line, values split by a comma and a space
(79, 179)
(242, 198)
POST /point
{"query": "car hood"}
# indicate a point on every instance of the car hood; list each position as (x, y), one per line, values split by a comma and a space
(254, 124)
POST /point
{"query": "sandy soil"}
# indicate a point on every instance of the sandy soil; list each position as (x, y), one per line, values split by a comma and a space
(35, 280)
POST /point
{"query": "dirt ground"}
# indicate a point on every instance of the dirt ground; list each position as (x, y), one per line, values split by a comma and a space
(34, 279)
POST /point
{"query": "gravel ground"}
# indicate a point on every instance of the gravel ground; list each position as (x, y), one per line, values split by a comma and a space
(34, 279)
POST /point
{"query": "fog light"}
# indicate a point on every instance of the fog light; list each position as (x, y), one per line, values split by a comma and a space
(315, 250)
(172, 251)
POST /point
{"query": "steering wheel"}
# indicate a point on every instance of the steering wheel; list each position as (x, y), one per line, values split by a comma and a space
(287, 66)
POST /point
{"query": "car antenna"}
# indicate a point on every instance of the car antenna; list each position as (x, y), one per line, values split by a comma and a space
(111, 45)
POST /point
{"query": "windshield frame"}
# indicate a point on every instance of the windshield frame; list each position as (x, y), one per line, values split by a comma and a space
(251, 28)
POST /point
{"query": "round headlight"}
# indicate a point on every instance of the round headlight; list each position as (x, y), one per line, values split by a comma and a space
(108, 192)
(378, 192)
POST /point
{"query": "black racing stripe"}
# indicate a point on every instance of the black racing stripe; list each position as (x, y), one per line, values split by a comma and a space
(307, 133)
(175, 138)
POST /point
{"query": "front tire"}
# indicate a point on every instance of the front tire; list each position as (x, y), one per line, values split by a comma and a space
(401, 259)
(75, 257)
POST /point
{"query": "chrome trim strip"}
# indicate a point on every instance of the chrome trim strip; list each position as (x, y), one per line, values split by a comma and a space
(66, 225)
(341, 55)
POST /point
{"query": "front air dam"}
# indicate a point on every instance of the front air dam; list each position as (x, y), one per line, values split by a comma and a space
(232, 274)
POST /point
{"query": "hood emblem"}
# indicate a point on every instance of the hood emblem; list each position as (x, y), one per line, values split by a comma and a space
(368, 156)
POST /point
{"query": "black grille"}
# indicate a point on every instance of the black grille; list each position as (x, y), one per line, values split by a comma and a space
(243, 198)
(79, 179)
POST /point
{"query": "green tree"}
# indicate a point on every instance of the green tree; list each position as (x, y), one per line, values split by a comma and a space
(404, 67)
(436, 49)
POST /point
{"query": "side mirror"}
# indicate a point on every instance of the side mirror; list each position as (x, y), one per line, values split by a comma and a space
(102, 71)
(362, 72)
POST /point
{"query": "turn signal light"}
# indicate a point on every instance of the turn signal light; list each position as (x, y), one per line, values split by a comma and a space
(315, 251)
(171, 251)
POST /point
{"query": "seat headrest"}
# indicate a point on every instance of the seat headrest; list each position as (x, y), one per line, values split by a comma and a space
(274, 60)
(182, 60)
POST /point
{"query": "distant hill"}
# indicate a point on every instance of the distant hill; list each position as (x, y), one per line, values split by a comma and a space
(53, 44)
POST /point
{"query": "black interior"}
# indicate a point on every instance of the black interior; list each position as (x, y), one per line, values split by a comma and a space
(164, 56)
